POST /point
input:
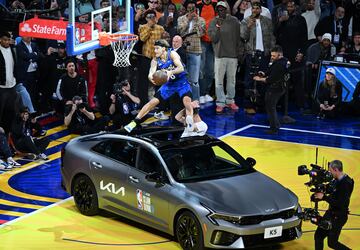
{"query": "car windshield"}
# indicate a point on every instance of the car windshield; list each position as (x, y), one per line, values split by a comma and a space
(203, 162)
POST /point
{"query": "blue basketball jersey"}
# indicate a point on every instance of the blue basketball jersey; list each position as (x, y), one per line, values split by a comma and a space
(178, 83)
(169, 65)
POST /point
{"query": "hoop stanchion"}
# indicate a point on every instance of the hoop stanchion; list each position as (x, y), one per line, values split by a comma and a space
(121, 44)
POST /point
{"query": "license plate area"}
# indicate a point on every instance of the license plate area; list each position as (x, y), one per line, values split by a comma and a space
(272, 232)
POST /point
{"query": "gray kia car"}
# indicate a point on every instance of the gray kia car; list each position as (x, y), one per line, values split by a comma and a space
(198, 189)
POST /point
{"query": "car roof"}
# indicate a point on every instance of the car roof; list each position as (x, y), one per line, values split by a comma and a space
(166, 137)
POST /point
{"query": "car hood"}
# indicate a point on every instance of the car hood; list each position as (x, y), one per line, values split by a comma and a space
(248, 194)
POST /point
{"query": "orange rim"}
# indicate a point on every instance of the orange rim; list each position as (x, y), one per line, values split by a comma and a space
(106, 39)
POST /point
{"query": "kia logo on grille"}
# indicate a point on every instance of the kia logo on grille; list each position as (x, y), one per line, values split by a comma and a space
(269, 210)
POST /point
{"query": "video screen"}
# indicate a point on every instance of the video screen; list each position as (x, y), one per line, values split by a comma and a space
(348, 74)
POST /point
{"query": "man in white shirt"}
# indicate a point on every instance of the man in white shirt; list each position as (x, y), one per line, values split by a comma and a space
(312, 16)
(8, 95)
(264, 11)
(257, 32)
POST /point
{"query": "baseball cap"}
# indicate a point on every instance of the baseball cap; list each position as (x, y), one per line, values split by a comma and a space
(331, 71)
(326, 36)
(162, 43)
(222, 4)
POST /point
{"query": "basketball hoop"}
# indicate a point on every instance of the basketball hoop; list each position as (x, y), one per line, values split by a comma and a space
(121, 44)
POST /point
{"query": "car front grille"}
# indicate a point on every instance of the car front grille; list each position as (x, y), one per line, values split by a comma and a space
(258, 239)
(256, 219)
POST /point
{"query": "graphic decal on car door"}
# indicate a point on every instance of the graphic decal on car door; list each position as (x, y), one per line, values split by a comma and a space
(144, 201)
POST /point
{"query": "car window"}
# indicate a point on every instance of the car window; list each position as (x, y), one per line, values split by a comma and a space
(202, 162)
(123, 151)
(222, 154)
(148, 162)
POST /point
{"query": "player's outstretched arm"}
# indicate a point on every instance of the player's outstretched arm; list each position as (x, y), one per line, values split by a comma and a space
(152, 70)
(177, 62)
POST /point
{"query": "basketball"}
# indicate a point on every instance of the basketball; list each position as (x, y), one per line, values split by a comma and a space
(160, 77)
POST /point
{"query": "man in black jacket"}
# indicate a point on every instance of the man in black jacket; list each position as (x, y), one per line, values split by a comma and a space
(9, 99)
(275, 81)
(28, 56)
(338, 210)
(51, 70)
(22, 135)
(71, 84)
(336, 25)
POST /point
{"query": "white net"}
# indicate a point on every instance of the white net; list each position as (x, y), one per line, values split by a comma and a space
(122, 48)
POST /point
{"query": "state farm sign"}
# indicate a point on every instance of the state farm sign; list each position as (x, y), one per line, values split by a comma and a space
(52, 29)
(43, 28)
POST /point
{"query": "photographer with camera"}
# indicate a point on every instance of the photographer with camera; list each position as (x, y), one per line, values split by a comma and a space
(123, 104)
(338, 210)
(275, 81)
(81, 120)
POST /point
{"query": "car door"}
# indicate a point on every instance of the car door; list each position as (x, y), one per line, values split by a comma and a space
(110, 167)
(148, 199)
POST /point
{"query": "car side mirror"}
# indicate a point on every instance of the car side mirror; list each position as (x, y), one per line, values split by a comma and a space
(154, 177)
(251, 161)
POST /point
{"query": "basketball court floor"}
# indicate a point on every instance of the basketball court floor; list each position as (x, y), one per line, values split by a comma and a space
(36, 213)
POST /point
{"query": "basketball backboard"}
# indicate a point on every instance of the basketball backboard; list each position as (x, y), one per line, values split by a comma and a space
(89, 17)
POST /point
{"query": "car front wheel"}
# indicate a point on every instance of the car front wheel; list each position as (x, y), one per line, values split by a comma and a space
(85, 196)
(189, 232)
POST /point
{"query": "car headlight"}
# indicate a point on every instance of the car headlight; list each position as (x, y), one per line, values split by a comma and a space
(214, 217)
(228, 218)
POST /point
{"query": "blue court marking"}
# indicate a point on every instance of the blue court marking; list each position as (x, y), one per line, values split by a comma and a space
(43, 180)
(10, 197)
(16, 209)
(7, 217)
(59, 135)
(297, 136)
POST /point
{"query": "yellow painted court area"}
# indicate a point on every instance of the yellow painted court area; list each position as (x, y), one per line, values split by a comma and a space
(62, 227)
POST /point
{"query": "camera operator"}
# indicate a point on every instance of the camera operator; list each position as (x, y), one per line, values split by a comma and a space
(80, 119)
(275, 81)
(123, 104)
(338, 210)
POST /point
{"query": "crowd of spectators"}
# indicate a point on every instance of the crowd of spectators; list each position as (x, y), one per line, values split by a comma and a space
(213, 38)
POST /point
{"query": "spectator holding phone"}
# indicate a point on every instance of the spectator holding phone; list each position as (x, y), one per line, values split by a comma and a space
(139, 12)
(169, 20)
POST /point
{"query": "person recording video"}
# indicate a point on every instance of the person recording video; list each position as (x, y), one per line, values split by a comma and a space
(337, 213)
(80, 119)
(123, 104)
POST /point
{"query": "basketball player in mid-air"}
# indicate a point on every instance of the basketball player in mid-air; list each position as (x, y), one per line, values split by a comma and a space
(170, 62)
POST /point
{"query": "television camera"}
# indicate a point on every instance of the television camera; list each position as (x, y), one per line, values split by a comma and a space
(321, 181)
(255, 61)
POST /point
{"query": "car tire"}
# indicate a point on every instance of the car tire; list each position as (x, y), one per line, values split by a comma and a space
(85, 196)
(188, 232)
